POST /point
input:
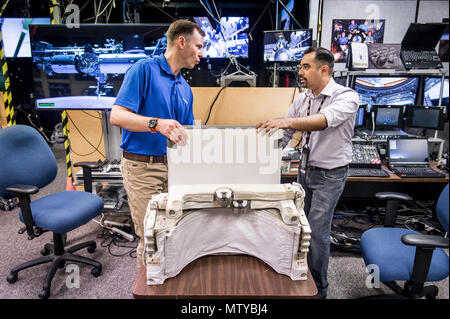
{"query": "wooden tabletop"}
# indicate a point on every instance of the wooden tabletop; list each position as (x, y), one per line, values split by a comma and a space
(226, 276)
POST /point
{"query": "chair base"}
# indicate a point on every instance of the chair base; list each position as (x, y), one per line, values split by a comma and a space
(56, 255)
(411, 290)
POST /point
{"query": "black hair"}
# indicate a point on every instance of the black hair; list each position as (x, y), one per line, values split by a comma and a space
(323, 56)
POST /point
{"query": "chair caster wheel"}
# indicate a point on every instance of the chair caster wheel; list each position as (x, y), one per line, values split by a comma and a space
(45, 252)
(92, 248)
(44, 294)
(12, 278)
(96, 271)
(432, 294)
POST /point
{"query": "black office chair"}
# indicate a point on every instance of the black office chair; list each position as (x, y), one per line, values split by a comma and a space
(406, 255)
(27, 164)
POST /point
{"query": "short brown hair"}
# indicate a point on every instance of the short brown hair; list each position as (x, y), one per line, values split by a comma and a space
(182, 27)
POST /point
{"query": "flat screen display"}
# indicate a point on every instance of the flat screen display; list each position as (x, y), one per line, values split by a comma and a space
(432, 90)
(84, 68)
(386, 90)
(408, 151)
(360, 116)
(286, 46)
(227, 38)
(388, 116)
(428, 117)
(16, 35)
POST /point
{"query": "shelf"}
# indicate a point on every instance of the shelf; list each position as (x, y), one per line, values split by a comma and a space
(393, 72)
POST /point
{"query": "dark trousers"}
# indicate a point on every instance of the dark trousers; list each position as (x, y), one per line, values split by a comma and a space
(323, 189)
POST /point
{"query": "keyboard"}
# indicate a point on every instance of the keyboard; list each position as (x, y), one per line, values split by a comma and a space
(420, 172)
(421, 60)
(367, 172)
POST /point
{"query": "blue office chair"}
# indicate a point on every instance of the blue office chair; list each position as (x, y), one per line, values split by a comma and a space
(27, 164)
(405, 255)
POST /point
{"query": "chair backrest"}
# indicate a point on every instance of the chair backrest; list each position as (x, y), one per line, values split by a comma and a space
(25, 158)
(442, 210)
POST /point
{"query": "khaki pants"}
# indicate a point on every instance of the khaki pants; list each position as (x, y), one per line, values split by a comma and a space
(142, 180)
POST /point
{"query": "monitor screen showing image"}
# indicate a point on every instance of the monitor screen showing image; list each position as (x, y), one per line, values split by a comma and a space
(443, 44)
(360, 116)
(286, 46)
(84, 68)
(227, 38)
(408, 150)
(387, 116)
(16, 36)
(387, 90)
(432, 91)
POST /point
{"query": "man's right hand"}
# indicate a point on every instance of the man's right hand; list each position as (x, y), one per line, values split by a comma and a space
(173, 130)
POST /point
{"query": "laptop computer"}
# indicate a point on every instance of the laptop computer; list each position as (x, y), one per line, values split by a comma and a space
(418, 46)
(408, 157)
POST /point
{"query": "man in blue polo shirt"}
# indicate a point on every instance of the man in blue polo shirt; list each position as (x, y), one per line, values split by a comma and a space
(153, 104)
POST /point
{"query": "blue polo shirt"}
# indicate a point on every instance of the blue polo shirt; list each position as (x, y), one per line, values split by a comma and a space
(151, 89)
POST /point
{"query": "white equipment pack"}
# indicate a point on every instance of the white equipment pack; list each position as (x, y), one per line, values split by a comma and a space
(224, 197)
(191, 221)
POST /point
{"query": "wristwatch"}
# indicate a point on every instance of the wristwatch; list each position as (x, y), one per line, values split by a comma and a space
(152, 125)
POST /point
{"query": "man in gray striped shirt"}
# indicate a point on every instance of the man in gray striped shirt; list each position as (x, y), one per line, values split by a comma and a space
(325, 114)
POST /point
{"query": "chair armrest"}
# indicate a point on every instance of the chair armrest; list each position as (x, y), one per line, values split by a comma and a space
(24, 192)
(392, 195)
(87, 173)
(22, 189)
(91, 165)
(427, 241)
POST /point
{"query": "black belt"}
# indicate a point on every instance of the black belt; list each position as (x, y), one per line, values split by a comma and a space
(145, 158)
(315, 168)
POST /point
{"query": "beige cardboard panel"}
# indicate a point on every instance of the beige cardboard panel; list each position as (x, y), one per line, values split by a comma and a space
(241, 105)
(85, 126)
(3, 121)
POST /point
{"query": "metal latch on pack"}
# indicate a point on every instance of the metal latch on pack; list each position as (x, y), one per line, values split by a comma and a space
(223, 196)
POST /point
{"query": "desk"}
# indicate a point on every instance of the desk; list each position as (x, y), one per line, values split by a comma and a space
(366, 187)
(226, 276)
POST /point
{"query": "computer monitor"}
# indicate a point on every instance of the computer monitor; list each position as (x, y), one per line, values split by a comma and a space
(386, 90)
(428, 117)
(360, 119)
(84, 68)
(16, 36)
(388, 116)
(405, 151)
(227, 38)
(286, 46)
(432, 91)
(443, 43)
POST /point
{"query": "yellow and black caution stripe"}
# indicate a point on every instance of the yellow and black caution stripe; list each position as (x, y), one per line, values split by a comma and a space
(55, 17)
(3, 8)
(7, 97)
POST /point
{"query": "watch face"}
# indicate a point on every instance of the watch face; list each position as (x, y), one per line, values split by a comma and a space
(152, 123)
